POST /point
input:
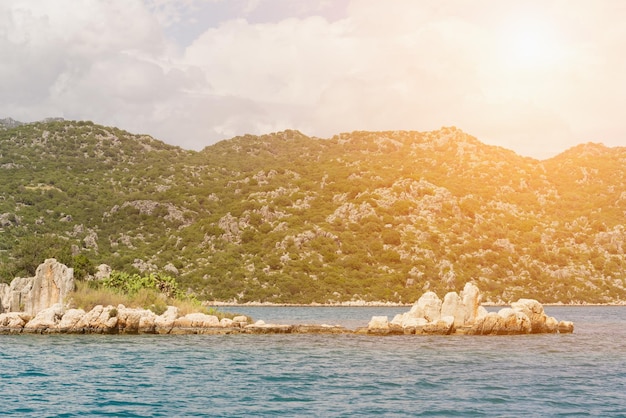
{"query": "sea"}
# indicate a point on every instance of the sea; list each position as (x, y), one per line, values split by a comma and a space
(560, 375)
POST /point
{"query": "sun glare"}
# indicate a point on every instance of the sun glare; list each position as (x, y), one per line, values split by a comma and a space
(530, 45)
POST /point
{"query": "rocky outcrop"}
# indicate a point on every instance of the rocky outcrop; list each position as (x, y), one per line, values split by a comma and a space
(122, 320)
(456, 314)
(52, 283)
(463, 314)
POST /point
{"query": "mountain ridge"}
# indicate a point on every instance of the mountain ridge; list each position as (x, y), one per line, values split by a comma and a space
(284, 217)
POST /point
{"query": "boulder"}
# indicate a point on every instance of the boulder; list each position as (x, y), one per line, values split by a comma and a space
(100, 320)
(428, 306)
(491, 324)
(566, 327)
(453, 306)
(378, 323)
(471, 298)
(147, 323)
(442, 326)
(534, 311)
(17, 294)
(414, 323)
(197, 320)
(69, 320)
(133, 321)
(52, 283)
(514, 322)
(14, 320)
(46, 318)
(165, 322)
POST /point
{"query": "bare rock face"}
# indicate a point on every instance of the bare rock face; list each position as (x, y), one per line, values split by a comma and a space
(378, 325)
(16, 294)
(471, 301)
(453, 306)
(70, 319)
(14, 320)
(46, 318)
(52, 283)
(442, 326)
(4, 291)
(428, 306)
(538, 319)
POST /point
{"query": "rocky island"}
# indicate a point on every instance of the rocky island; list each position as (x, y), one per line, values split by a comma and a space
(40, 305)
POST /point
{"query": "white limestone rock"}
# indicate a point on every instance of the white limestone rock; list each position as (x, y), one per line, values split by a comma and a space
(471, 301)
(379, 323)
(197, 320)
(70, 319)
(46, 318)
(14, 320)
(165, 322)
(428, 306)
(453, 306)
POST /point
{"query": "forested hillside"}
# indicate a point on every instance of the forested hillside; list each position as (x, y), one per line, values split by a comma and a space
(288, 218)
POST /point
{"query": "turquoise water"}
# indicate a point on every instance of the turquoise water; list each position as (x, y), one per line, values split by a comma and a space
(580, 374)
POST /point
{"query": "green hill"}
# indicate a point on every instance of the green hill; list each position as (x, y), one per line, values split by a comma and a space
(289, 218)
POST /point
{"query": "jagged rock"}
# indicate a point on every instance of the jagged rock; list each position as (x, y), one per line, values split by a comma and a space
(52, 283)
(566, 327)
(514, 322)
(471, 301)
(14, 320)
(442, 326)
(428, 306)
(100, 319)
(453, 306)
(69, 320)
(165, 322)
(46, 318)
(197, 320)
(551, 325)
(132, 321)
(147, 323)
(534, 311)
(379, 323)
(464, 315)
(16, 294)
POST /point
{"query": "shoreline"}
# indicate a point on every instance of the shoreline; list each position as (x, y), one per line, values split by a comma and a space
(362, 304)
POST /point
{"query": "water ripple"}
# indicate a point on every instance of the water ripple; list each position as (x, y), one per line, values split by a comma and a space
(320, 375)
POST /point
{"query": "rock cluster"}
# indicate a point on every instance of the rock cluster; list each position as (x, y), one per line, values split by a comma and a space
(52, 283)
(463, 314)
(38, 305)
(122, 320)
(114, 320)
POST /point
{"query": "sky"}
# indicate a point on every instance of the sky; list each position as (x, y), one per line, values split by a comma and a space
(536, 77)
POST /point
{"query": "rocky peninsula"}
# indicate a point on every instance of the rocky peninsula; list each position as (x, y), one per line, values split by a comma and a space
(40, 305)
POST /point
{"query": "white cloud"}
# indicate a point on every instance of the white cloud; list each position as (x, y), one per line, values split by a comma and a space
(536, 77)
